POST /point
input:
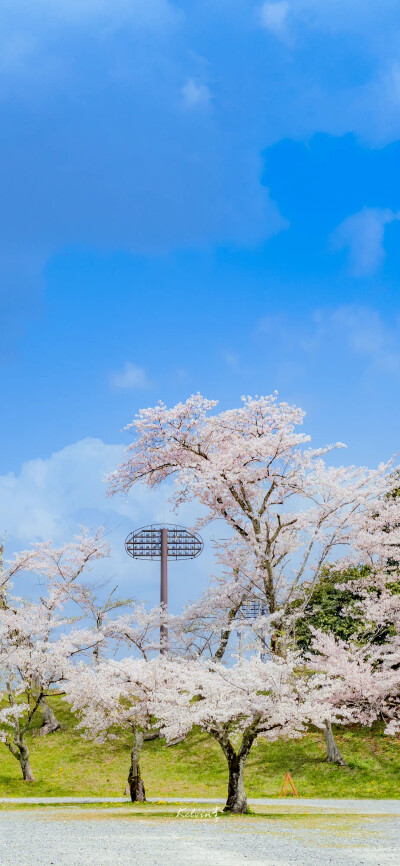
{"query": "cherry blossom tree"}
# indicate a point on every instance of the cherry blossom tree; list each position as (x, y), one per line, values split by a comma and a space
(37, 639)
(367, 666)
(113, 692)
(366, 670)
(114, 695)
(288, 512)
(236, 705)
(366, 684)
(33, 658)
(138, 629)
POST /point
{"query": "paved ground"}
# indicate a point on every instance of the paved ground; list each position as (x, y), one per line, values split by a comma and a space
(77, 837)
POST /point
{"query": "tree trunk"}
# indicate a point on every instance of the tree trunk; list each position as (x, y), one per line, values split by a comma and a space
(333, 755)
(237, 800)
(135, 781)
(174, 742)
(26, 768)
(151, 735)
(20, 752)
(50, 722)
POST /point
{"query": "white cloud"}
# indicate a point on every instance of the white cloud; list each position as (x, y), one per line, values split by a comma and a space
(332, 16)
(29, 30)
(354, 331)
(51, 498)
(367, 335)
(358, 329)
(48, 497)
(362, 235)
(195, 94)
(274, 17)
(328, 35)
(129, 378)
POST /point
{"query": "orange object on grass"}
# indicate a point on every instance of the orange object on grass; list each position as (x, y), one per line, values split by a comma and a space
(288, 781)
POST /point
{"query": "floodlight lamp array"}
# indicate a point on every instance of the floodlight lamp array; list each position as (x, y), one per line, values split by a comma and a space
(253, 609)
(145, 543)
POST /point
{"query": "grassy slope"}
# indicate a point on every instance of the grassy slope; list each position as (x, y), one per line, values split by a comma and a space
(66, 764)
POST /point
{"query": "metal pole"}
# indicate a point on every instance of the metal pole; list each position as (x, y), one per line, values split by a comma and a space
(240, 636)
(262, 649)
(164, 588)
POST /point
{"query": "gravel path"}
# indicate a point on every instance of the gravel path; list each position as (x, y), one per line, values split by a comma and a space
(78, 838)
(289, 804)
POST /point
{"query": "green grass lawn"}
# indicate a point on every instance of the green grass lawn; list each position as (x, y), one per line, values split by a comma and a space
(65, 763)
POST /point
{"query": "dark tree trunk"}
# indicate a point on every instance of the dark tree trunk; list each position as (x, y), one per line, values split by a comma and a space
(50, 722)
(237, 800)
(16, 742)
(135, 781)
(20, 752)
(333, 753)
(26, 768)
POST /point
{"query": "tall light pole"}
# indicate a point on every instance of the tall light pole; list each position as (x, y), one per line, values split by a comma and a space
(163, 542)
(164, 587)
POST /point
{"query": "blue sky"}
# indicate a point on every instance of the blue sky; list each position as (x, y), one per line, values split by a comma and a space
(195, 196)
